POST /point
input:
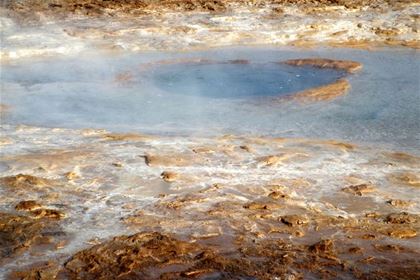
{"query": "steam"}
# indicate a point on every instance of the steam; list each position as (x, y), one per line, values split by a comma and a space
(119, 93)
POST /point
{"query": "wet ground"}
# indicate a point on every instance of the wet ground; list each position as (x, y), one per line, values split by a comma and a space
(120, 161)
(245, 207)
(282, 200)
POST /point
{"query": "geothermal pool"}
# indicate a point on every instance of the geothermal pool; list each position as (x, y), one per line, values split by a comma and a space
(130, 93)
(239, 79)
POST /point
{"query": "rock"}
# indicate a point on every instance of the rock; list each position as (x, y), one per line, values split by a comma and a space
(182, 201)
(322, 247)
(127, 137)
(277, 195)
(322, 93)
(368, 236)
(261, 206)
(45, 271)
(355, 250)
(246, 148)
(338, 144)
(405, 178)
(294, 220)
(71, 175)
(169, 176)
(18, 233)
(23, 181)
(389, 247)
(130, 256)
(28, 205)
(372, 215)
(166, 160)
(399, 203)
(203, 150)
(117, 164)
(47, 213)
(402, 233)
(274, 160)
(401, 218)
(269, 160)
(403, 158)
(299, 233)
(345, 65)
(359, 189)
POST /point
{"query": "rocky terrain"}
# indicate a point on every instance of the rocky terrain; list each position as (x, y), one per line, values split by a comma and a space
(91, 204)
(70, 27)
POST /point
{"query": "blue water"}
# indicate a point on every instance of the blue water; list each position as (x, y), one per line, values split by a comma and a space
(381, 108)
(224, 80)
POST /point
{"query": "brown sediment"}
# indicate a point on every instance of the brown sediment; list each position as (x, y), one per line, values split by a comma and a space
(321, 93)
(294, 220)
(127, 137)
(403, 157)
(262, 205)
(71, 175)
(359, 189)
(274, 160)
(345, 65)
(335, 144)
(269, 160)
(4, 108)
(405, 178)
(40, 271)
(169, 176)
(235, 220)
(372, 44)
(47, 213)
(95, 7)
(182, 201)
(117, 164)
(50, 160)
(28, 205)
(402, 233)
(23, 181)
(168, 160)
(203, 150)
(128, 256)
(401, 218)
(415, 44)
(18, 233)
(277, 195)
(399, 203)
(153, 255)
(363, 25)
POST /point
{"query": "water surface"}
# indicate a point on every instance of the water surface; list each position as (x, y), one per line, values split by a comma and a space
(381, 107)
